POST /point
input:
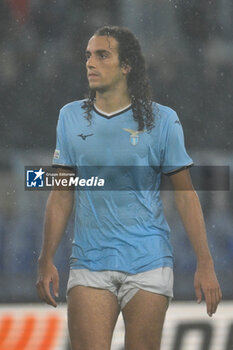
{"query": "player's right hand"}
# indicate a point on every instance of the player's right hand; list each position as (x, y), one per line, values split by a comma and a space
(47, 273)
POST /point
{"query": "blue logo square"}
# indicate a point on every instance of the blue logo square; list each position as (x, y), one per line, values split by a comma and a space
(35, 178)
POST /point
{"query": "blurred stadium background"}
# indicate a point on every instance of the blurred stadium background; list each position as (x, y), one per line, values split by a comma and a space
(189, 52)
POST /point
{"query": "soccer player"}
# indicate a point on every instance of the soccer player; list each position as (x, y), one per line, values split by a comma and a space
(121, 254)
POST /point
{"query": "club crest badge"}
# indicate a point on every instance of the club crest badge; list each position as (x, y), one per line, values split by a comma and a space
(134, 136)
(56, 154)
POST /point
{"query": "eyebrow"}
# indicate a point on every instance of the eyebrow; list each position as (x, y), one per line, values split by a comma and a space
(97, 51)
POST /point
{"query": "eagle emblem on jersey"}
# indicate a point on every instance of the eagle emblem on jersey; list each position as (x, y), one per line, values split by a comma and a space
(134, 135)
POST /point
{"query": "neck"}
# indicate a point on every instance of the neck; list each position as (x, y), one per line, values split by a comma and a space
(112, 100)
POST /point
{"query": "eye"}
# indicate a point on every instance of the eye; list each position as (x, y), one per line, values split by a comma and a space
(87, 56)
(103, 55)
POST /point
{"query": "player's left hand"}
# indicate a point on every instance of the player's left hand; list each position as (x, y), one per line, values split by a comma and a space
(205, 281)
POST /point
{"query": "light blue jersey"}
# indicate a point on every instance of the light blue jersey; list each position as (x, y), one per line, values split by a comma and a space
(120, 230)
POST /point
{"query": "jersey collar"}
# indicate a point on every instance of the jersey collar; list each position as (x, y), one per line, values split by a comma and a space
(113, 114)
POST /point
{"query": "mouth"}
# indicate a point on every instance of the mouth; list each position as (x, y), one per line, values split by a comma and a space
(92, 75)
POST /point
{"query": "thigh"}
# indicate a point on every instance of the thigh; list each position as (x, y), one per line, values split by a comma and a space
(92, 315)
(144, 316)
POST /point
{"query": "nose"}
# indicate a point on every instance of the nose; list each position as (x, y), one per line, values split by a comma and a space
(90, 62)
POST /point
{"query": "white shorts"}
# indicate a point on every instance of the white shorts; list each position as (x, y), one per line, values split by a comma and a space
(124, 285)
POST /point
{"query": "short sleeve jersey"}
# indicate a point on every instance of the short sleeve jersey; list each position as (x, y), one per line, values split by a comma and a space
(120, 230)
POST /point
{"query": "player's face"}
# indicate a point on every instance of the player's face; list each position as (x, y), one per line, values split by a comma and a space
(103, 67)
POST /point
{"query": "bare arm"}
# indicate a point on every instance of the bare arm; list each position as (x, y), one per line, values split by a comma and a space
(189, 208)
(58, 210)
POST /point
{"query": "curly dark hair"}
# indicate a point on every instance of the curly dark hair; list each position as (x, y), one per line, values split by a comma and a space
(130, 53)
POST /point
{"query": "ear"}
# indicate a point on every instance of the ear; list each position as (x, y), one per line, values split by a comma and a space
(126, 68)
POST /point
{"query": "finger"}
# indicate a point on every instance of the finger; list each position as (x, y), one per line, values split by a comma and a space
(49, 299)
(198, 294)
(56, 286)
(214, 301)
(46, 293)
(39, 290)
(219, 294)
(218, 298)
(208, 302)
(42, 294)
